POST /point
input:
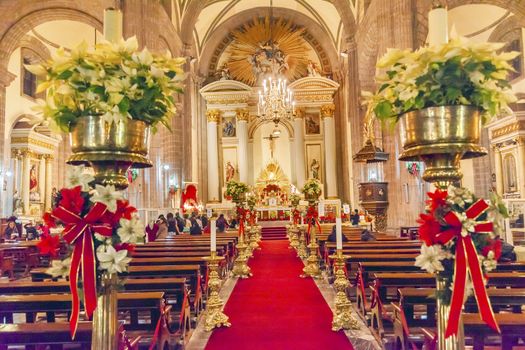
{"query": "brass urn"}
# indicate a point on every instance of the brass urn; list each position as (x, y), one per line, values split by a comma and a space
(111, 149)
(441, 137)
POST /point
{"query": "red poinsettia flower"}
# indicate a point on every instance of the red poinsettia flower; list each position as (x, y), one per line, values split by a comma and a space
(437, 199)
(49, 244)
(125, 246)
(124, 210)
(429, 227)
(72, 199)
(495, 246)
(49, 220)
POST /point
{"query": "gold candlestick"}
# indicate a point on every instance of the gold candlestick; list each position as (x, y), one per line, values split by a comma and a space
(301, 248)
(294, 238)
(214, 316)
(240, 266)
(343, 318)
(253, 241)
(312, 268)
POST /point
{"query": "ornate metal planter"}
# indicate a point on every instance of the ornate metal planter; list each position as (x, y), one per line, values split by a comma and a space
(110, 149)
(441, 137)
(373, 196)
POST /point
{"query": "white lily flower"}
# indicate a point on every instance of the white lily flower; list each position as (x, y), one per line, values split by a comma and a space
(76, 176)
(59, 268)
(430, 258)
(107, 195)
(131, 231)
(113, 261)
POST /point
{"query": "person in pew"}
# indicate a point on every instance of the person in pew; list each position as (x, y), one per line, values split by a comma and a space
(11, 232)
(367, 236)
(332, 237)
(354, 218)
(507, 253)
(163, 228)
(204, 220)
(180, 223)
(197, 218)
(31, 231)
(187, 223)
(221, 223)
(172, 224)
(195, 228)
(152, 229)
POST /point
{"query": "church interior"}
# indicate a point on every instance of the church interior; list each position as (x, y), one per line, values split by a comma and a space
(262, 174)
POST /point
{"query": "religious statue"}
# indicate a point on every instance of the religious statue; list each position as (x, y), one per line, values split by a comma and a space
(17, 203)
(225, 73)
(230, 171)
(272, 139)
(33, 182)
(268, 59)
(312, 69)
(228, 128)
(314, 168)
(54, 197)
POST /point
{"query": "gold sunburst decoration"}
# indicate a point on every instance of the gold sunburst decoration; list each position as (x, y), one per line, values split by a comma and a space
(265, 47)
(272, 174)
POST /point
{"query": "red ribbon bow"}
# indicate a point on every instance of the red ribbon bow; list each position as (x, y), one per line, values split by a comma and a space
(313, 219)
(467, 261)
(79, 232)
(296, 216)
(241, 216)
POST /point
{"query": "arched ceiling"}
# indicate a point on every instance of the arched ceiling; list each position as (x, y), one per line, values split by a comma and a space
(198, 20)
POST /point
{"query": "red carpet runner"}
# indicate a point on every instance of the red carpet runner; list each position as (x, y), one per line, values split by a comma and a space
(277, 310)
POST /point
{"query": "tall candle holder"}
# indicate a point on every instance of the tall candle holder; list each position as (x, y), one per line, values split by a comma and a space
(343, 318)
(312, 268)
(214, 316)
(294, 238)
(240, 266)
(301, 248)
(253, 240)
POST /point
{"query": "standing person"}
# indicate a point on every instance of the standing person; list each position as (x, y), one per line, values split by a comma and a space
(221, 223)
(151, 231)
(172, 224)
(354, 218)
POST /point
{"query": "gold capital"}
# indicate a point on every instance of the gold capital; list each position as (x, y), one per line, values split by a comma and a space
(327, 110)
(213, 115)
(242, 115)
(299, 113)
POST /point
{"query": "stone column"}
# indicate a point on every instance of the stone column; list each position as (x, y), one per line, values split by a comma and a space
(327, 113)
(26, 167)
(298, 131)
(243, 117)
(42, 178)
(213, 117)
(519, 165)
(49, 184)
(499, 169)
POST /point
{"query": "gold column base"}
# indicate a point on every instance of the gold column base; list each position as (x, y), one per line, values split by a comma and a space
(454, 342)
(105, 334)
(343, 317)
(312, 268)
(301, 248)
(294, 238)
(214, 316)
(240, 266)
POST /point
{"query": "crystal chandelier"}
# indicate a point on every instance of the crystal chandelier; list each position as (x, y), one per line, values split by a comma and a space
(275, 101)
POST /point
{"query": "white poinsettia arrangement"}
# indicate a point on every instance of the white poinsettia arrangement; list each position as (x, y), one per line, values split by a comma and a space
(115, 81)
(236, 190)
(97, 217)
(461, 243)
(312, 189)
(459, 72)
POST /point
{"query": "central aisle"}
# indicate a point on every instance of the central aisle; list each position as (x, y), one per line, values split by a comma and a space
(275, 309)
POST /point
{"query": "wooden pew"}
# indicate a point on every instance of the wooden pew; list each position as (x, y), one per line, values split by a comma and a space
(7, 265)
(512, 328)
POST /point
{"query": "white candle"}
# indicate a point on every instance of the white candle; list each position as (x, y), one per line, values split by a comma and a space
(112, 25)
(437, 26)
(213, 234)
(338, 229)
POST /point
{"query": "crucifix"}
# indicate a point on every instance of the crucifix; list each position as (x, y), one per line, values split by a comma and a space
(271, 138)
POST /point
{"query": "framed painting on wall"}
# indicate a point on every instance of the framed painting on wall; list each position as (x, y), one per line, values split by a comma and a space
(229, 128)
(312, 124)
(314, 161)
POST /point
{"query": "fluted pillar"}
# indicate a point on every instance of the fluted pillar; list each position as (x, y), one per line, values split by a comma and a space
(26, 168)
(41, 188)
(499, 169)
(327, 113)
(519, 166)
(242, 147)
(298, 131)
(49, 185)
(213, 117)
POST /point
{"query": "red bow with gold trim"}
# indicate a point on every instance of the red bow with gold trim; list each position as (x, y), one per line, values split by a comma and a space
(467, 261)
(79, 232)
(241, 216)
(296, 216)
(313, 219)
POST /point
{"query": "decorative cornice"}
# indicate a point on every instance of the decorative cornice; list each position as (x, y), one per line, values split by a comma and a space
(242, 115)
(508, 129)
(327, 111)
(33, 142)
(213, 115)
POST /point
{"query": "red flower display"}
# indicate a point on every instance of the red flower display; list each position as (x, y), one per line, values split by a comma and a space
(71, 199)
(49, 244)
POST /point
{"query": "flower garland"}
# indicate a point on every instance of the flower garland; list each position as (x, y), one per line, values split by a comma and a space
(100, 227)
(461, 244)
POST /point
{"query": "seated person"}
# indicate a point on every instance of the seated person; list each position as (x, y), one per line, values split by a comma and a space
(221, 223)
(195, 228)
(11, 231)
(31, 231)
(507, 253)
(367, 236)
(332, 237)
(151, 231)
(354, 218)
(162, 232)
(233, 223)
